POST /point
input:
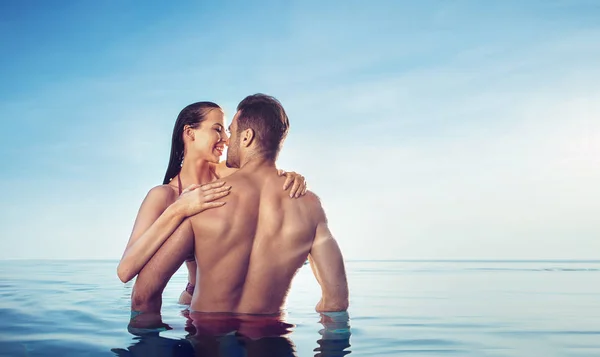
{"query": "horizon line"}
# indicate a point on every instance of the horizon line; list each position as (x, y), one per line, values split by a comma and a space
(407, 260)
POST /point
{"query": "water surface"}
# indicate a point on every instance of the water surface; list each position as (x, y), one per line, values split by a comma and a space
(398, 308)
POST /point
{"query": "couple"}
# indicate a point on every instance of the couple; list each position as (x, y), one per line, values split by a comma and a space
(242, 255)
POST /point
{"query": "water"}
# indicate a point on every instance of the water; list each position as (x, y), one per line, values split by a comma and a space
(398, 308)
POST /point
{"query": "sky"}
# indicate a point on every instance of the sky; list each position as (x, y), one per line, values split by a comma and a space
(429, 129)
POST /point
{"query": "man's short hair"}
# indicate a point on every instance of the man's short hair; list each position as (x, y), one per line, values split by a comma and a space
(265, 115)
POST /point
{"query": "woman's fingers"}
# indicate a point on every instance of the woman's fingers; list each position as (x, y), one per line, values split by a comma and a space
(302, 190)
(217, 190)
(288, 180)
(296, 190)
(215, 195)
(190, 188)
(212, 185)
(208, 205)
(297, 183)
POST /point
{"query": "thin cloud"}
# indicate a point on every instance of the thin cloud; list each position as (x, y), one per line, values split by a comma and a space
(428, 131)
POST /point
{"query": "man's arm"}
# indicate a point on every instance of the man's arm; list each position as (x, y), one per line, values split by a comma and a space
(154, 276)
(327, 264)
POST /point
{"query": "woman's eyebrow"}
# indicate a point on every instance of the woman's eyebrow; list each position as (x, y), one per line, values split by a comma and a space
(219, 125)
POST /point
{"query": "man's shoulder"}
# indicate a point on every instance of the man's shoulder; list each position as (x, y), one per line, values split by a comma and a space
(312, 202)
(312, 198)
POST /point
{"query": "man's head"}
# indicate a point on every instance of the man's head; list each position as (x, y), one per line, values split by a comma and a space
(258, 128)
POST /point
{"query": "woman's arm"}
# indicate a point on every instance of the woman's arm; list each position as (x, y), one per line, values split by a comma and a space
(156, 220)
(159, 215)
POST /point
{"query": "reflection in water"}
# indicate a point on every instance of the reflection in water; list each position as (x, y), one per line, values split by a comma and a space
(153, 345)
(239, 335)
(146, 328)
(335, 337)
(233, 335)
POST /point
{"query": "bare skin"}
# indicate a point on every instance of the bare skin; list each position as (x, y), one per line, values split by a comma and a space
(164, 209)
(249, 251)
(154, 274)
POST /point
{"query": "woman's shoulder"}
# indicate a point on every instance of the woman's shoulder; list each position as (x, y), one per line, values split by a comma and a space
(156, 201)
(163, 192)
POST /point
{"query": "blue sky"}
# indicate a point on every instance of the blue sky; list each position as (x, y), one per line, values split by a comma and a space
(431, 129)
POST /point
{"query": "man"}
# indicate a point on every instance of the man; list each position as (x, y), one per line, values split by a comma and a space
(249, 250)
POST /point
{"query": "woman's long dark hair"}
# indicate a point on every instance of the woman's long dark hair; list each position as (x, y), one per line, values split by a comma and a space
(192, 115)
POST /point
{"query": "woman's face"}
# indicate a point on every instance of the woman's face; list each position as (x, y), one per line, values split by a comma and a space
(210, 137)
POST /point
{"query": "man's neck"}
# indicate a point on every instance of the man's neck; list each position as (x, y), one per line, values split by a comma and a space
(257, 163)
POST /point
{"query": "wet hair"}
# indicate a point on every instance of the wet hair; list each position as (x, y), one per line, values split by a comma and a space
(265, 115)
(192, 115)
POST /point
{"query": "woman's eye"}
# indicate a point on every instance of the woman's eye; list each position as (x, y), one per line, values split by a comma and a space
(218, 129)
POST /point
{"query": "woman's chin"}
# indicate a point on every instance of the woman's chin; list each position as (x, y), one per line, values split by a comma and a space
(215, 159)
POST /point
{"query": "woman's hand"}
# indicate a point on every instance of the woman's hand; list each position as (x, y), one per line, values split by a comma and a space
(197, 198)
(299, 183)
(185, 298)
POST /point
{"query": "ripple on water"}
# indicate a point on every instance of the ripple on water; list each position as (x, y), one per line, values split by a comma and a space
(80, 308)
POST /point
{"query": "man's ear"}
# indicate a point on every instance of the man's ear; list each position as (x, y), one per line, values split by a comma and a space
(247, 137)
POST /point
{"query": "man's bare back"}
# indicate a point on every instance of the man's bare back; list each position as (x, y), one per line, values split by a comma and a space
(249, 250)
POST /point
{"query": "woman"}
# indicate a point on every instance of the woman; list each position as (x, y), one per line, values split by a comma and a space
(197, 144)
